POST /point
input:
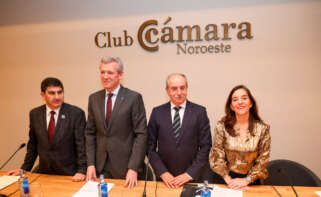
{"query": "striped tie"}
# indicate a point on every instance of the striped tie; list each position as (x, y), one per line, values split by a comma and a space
(176, 123)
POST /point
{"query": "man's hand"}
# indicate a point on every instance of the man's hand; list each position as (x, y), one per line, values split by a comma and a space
(131, 179)
(238, 184)
(91, 173)
(15, 172)
(168, 178)
(181, 179)
(78, 177)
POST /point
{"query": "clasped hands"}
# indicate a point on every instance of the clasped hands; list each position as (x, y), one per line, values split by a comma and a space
(175, 182)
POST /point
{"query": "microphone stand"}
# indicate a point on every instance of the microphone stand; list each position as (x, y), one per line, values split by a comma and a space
(20, 147)
(146, 173)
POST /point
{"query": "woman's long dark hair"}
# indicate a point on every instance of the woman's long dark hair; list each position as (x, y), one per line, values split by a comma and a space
(229, 119)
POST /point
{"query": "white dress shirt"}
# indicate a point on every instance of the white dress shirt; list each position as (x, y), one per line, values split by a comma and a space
(113, 98)
(48, 115)
(181, 111)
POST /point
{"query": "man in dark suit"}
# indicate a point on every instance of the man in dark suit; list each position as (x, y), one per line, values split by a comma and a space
(56, 134)
(116, 132)
(179, 136)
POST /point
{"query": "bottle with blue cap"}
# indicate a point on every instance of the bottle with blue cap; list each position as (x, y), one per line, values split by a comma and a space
(205, 190)
(102, 187)
(23, 185)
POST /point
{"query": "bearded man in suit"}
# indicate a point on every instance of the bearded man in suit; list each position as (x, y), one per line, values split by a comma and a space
(116, 132)
(56, 134)
(179, 136)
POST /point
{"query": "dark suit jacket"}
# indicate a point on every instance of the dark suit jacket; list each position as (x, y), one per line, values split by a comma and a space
(191, 152)
(124, 140)
(66, 155)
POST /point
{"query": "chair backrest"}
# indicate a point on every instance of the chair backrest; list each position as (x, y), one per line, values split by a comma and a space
(286, 172)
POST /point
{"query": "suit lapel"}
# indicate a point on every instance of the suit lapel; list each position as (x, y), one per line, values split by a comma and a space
(186, 119)
(118, 103)
(169, 122)
(43, 123)
(60, 126)
(101, 106)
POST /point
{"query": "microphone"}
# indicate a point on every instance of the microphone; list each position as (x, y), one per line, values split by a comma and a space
(289, 180)
(20, 147)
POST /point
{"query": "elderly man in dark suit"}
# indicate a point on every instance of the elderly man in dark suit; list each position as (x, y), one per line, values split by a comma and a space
(179, 136)
(56, 134)
(116, 132)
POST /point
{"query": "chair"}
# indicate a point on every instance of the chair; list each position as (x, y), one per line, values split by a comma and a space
(285, 172)
(210, 176)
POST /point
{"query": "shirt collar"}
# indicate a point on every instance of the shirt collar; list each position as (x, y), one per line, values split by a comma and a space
(183, 105)
(115, 92)
(48, 110)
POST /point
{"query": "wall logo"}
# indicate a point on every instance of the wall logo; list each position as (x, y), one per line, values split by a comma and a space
(189, 39)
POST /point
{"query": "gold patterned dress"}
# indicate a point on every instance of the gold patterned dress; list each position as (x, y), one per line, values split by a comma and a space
(249, 156)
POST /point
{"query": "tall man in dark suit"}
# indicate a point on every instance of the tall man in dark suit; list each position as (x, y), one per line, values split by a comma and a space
(56, 134)
(179, 136)
(116, 132)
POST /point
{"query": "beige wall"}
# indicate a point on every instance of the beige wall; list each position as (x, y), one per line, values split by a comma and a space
(281, 65)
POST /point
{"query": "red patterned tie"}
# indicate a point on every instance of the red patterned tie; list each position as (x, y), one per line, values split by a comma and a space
(109, 108)
(51, 126)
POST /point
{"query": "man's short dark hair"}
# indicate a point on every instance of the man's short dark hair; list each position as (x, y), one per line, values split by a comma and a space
(50, 82)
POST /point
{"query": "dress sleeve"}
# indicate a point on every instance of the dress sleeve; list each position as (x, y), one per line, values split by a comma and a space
(217, 157)
(259, 170)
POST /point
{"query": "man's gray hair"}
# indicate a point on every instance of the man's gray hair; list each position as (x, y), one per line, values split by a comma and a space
(180, 74)
(107, 60)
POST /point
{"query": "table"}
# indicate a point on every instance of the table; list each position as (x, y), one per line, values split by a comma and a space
(62, 186)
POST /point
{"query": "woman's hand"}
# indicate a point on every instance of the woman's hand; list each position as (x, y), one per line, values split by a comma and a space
(238, 184)
(227, 179)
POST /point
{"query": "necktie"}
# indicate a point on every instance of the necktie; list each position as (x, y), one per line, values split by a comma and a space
(176, 123)
(109, 108)
(51, 126)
